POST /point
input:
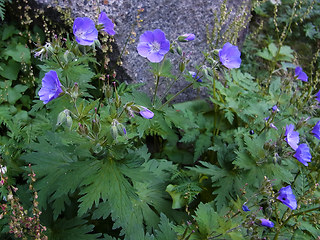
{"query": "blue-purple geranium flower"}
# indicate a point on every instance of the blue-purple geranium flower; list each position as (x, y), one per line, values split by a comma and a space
(292, 137)
(266, 223)
(51, 87)
(153, 45)
(146, 113)
(316, 130)
(245, 208)
(230, 56)
(287, 197)
(108, 25)
(318, 96)
(194, 75)
(298, 73)
(186, 37)
(85, 31)
(275, 108)
(303, 154)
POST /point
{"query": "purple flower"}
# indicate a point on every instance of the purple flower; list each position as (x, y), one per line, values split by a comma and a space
(146, 113)
(303, 154)
(186, 37)
(245, 208)
(108, 25)
(275, 108)
(230, 56)
(318, 96)
(266, 223)
(292, 137)
(316, 130)
(51, 87)
(300, 74)
(287, 197)
(153, 45)
(193, 74)
(85, 31)
(273, 126)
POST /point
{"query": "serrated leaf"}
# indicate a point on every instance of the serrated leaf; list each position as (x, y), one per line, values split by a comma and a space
(19, 53)
(273, 49)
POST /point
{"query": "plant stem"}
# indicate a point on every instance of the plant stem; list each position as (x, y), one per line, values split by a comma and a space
(156, 89)
(182, 90)
(293, 215)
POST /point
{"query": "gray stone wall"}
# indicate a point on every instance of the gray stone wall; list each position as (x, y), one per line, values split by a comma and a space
(172, 17)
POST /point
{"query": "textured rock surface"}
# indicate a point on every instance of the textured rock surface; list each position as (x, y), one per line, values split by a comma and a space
(172, 17)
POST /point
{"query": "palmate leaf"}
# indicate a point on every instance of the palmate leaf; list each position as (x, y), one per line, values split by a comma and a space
(225, 182)
(55, 164)
(131, 206)
(71, 229)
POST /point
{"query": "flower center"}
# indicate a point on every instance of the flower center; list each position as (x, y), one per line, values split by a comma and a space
(155, 46)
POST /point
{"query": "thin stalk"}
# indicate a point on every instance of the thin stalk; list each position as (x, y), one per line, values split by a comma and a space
(156, 89)
(294, 215)
(173, 97)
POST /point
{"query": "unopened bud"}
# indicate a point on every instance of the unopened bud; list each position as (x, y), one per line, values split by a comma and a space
(179, 50)
(75, 91)
(186, 37)
(69, 121)
(182, 66)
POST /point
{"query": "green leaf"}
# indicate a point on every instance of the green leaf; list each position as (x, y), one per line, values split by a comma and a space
(8, 31)
(165, 231)
(19, 53)
(10, 70)
(273, 49)
(15, 93)
(163, 69)
(207, 219)
(286, 54)
(265, 54)
(74, 229)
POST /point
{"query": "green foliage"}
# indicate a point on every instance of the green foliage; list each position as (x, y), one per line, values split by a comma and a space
(90, 164)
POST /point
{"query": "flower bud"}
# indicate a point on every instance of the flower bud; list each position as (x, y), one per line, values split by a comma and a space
(95, 126)
(62, 117)
(75, 91)
(182, 66)
(114, 129)
(179, 50)
(69, 122)
(186, 37)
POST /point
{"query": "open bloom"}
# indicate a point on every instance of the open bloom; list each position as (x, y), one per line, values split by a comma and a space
(298, 73)
(292, 137)
(85, 31)
(316, 130)
(108, 25)
(287, 197)
(230, 56)
(303, 154)
(51, 87)
(186, 37)
(146, 113)
(266, 223)
(153, 45)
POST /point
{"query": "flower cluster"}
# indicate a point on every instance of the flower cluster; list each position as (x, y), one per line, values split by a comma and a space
(302, 153)
(85, 31)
